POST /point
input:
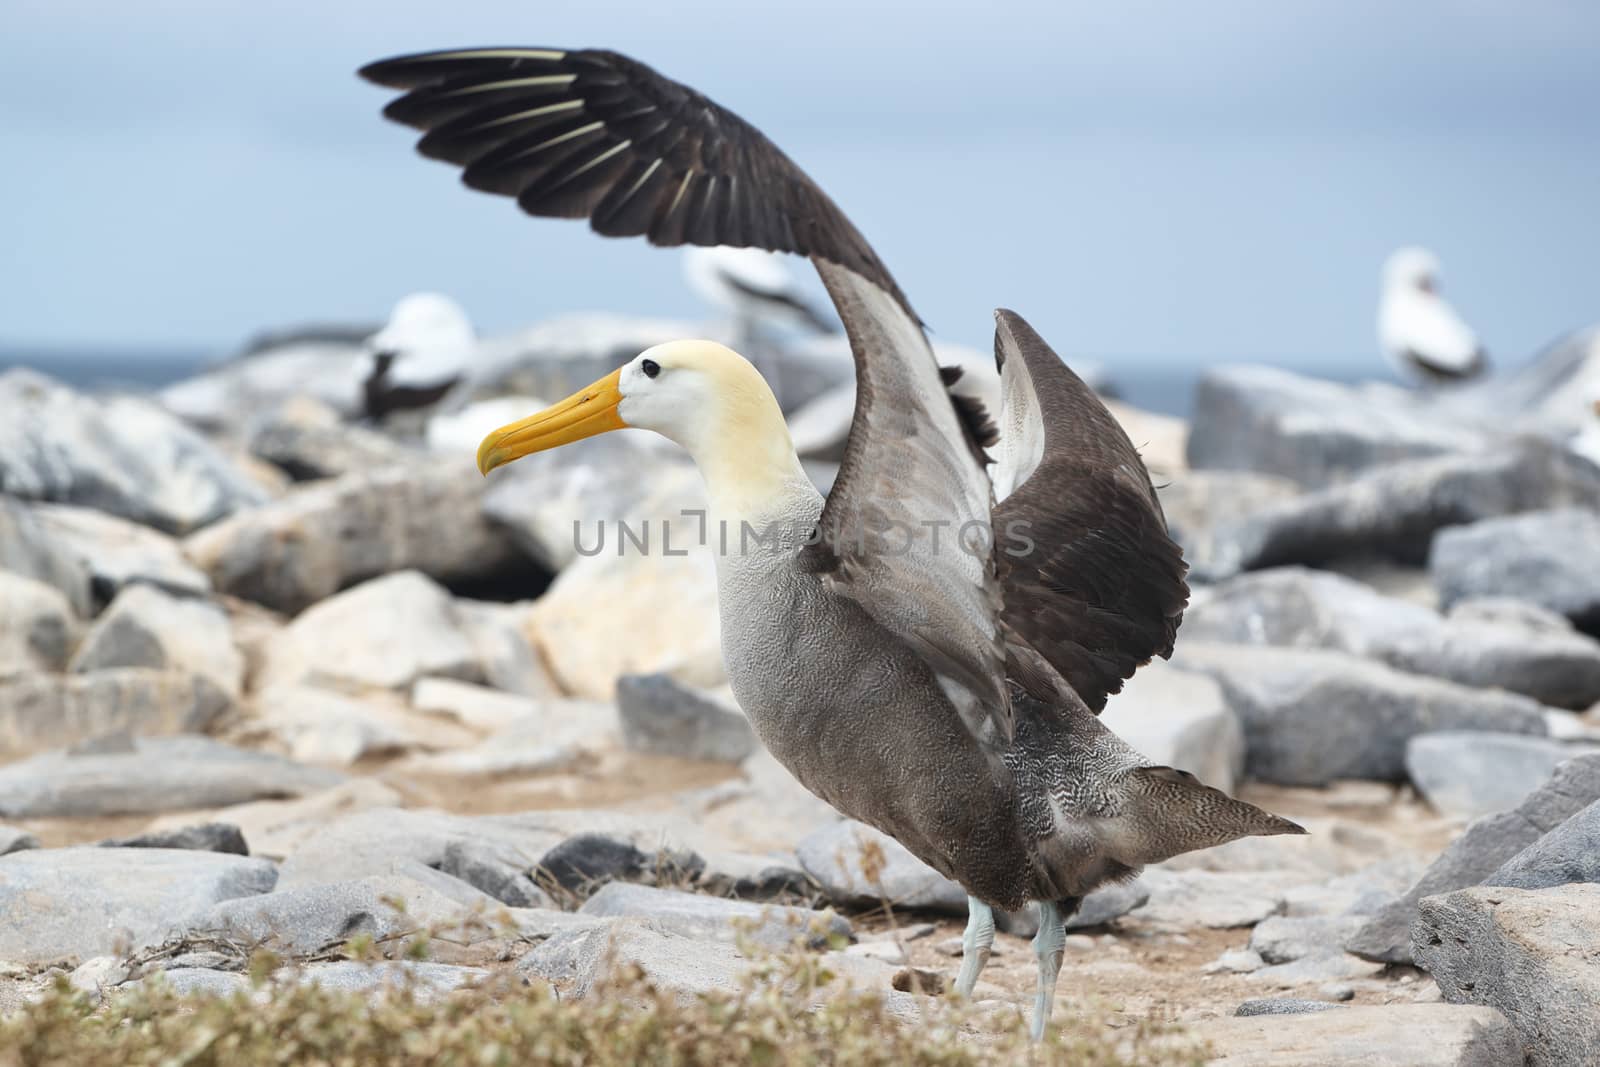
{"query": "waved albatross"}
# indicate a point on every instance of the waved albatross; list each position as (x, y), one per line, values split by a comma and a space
(927, 648)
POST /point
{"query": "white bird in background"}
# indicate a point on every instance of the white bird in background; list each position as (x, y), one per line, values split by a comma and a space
(1421, 334)
(1586, 442)
(421, 353)
(754, 287)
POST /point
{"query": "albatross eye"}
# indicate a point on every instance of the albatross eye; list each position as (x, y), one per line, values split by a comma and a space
(650, 367)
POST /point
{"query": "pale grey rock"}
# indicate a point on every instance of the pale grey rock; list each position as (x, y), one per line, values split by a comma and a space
(39, 711)
(425, 981)
(328, 728)
(1318, 969)
(505, 655)
(274, 828)
(27, 548)
(1394, 511)
(1234, 961)
(326, 365)
(117, 552)
(37, 625)
(1550, 558)
(500, 852)
(1471, 773)
(1202, 506)
(314, 918)
(384, 634)
(1491, 647)
(145, 627)
(1179, 719)
(1110, 901)
(203, 837)
(1281, 1006)
(661, 716)
(74, 903)
(714, 918)
(13, 839)
(150, 774)
(119, 454)
(1315, 432)
(94, 975)
(1389, 1035)
(308, 439)
(196, 981)
(1282, 939)
(1568, 853)
(327, 536)
(1313, 716)
(1478, 853)
(1213, 899)
(1529, 954)
(475, 706)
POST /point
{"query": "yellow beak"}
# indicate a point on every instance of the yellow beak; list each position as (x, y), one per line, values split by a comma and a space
(587, 412)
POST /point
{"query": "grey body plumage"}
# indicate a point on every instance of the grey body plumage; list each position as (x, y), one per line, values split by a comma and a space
(947, 697)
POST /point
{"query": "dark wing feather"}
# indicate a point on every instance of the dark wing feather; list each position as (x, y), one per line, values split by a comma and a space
(1090, 579)
(595, 134)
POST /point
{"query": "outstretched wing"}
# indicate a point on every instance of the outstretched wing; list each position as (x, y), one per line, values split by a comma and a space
(593, 134)
(1091, 581)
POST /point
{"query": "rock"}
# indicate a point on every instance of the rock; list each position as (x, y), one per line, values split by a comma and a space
(560, 507)
(1280, 1006)
(66, 903)
(1295, 607)
(474, 706)
(1179, 719)
(663, 717)
(119, 454)
(1311, 717)
(1315, 432)
(1401, 1035)
(1201, 505)
(37, 625)
(586, 860)
(275, 828)
(1362, 892)
(1394, 511)
(1479, 852)
(315, 918)
(202, 837)
(1281, 939)
(307, 439)
(324, 537)
(1216, 900)
(117, 552)
(326, 366)
(1550, 558)
(94, 975)
(859, 866)
(27, 548)
(1318, 968)
(661, 616)
(144, 627)
(150, 774)
(713, 918)
(1530, 954)
(1468, 773)
(13, 839)
(1234, 961)
(196, 981)
(425, 981)
(819, 427)
(42, 710)
(1568, 853)
(503, 650)
(384, 634)
(497, 851)
(322, 727)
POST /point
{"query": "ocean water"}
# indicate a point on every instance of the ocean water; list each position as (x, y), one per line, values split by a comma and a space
(1164, 387)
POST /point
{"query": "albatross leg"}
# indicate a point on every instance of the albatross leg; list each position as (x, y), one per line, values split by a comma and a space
(975, 944)
(1048, 944)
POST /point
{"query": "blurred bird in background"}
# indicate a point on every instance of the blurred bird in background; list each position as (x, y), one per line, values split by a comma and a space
(1420, 333)
(421, 353)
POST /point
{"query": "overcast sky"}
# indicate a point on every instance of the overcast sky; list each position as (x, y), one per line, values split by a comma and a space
(1142, 180)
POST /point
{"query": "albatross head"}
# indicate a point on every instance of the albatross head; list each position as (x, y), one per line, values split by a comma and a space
(1411, 268)
(702, 395)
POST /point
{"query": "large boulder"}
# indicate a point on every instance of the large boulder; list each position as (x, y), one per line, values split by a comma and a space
(1530, 954)
(150, 774)
(118, 552)
(324, 537)
(1313, 716)
(327, 364)
(43, 710)
(74, 903)
(1300, 608)
(660, 716)
(307, 439)
(1478, 853)
(1368, 1035)
(1472, 773)
(28, 548)
(145, 627)
(119, 454)
(1312, 431)
(1394, 511)
(1203, 510)
(37, 625)
(1568, 853)
(1550, 558)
